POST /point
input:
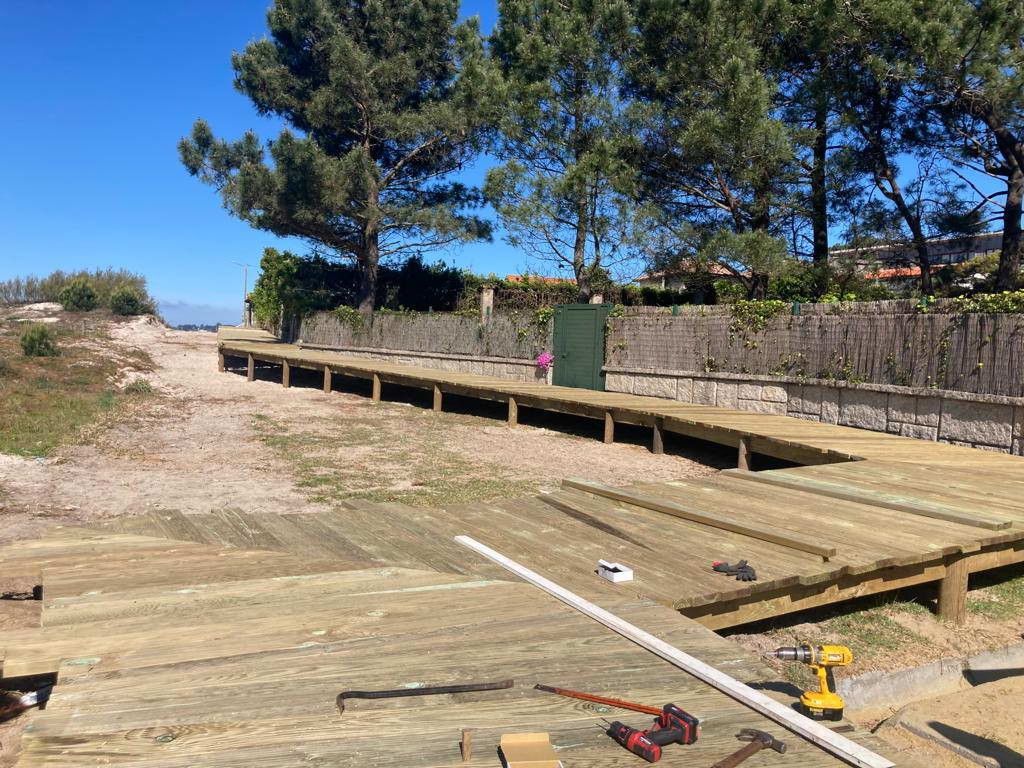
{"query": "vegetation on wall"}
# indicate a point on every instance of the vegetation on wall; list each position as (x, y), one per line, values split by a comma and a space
(296, 285)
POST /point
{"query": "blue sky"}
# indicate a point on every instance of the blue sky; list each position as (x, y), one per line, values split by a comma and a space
(96, 94)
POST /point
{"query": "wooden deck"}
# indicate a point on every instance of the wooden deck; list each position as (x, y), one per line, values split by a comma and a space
(223, 639)
(946, 511)
(175, 655)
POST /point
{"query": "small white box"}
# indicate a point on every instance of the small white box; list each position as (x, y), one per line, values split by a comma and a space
(614, 572)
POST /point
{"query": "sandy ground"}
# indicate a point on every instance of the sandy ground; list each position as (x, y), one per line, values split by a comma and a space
(196, 447)
(984, 721)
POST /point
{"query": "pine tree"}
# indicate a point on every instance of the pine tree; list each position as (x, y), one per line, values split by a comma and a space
(802, 49)
(970, 55)
(564, 190)
(384, 99)
(716, 159)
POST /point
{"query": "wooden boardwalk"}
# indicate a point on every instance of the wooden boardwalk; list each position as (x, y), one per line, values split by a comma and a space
(175, 655)
(946, 511)
(223, 639)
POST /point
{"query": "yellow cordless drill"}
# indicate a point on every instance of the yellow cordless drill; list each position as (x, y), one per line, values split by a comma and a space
(824, 703)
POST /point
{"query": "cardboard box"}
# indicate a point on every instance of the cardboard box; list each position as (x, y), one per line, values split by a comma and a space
(614, 572)
(528, 750)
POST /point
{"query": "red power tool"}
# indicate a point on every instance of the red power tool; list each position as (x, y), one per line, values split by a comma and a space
(673, 726)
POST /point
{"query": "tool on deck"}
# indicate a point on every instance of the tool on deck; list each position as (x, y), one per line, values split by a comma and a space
(742, 570)
(600, 699)
(758, 740)
(673, 726)
(635, 740)
(15, 706)
(824, 703)
(431, 690)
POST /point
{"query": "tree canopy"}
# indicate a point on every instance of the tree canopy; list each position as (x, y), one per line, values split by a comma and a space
(564, 190)
(384, 99)
(727, 137)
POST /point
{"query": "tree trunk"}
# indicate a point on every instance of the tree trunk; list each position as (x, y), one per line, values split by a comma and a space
(920, 242)
(369, 259)
(819, 197)
(758, 286)
(924, 262)
(885, 181)
(1013, 245)
(579, 252)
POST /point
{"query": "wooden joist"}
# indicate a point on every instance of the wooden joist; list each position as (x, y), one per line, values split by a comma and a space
(835, 743)
(697, 516)
(871, 498)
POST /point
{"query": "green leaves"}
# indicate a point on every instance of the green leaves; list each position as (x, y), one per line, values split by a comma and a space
(565, 190)
(384, 99)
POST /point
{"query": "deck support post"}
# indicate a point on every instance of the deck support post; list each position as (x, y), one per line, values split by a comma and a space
(953, 590)
(327, 379)
(438, 398)
(658, 437)
(376, 388)
(250, 372)
(743, 456)
(286, 374)
(513, 412)
(609, 428)
(220, 362)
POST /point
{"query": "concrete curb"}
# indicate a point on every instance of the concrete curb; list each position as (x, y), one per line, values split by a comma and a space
(876, 689)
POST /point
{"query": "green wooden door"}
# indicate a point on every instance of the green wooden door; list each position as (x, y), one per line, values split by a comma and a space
(579, 345)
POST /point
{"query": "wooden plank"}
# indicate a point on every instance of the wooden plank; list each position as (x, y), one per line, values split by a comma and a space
(327, 379)
(657, 438)
(874, 499)
(723, 614)
(743, 456)
(609, 428)
(375, 396)
(953, 590)
(513, 412)
(286, 374)
(834, 743)
(697, 516)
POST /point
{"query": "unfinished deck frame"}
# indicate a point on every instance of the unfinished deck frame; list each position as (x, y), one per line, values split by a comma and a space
(978, 494)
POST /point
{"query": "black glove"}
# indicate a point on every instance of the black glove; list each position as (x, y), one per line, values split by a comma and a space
(742, 570)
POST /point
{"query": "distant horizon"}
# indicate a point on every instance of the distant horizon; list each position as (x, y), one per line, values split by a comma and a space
(185, 313)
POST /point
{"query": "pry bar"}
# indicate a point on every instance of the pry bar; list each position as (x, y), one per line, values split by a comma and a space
(429, 690)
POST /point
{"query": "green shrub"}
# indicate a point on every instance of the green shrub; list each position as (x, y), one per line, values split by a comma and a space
(38, 341)
(128, 300)
(78, 296)
(139, 387)
(1007, 302)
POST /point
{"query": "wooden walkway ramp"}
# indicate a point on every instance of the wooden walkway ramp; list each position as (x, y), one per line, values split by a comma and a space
(946, 511)
(175, 655)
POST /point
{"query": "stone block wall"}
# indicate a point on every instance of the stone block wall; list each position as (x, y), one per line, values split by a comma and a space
(990, 422)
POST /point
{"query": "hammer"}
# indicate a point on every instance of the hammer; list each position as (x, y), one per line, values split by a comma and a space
(758, 740)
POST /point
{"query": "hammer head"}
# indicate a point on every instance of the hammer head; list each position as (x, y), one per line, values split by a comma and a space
(766, 740)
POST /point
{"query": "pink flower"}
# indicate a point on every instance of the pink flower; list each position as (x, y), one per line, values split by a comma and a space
(544, 360)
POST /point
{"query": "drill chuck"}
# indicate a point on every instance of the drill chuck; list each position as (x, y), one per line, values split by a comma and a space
(801, 653)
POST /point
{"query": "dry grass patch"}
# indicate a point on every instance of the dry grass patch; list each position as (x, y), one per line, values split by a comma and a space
(397, 460)
(49, 401)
